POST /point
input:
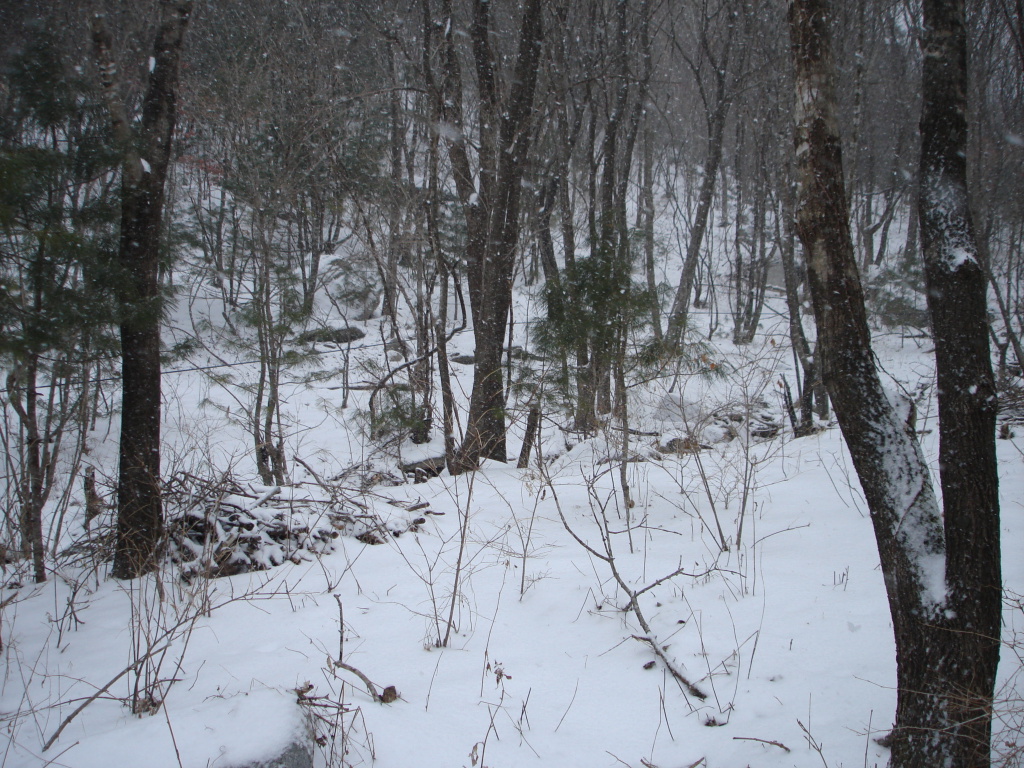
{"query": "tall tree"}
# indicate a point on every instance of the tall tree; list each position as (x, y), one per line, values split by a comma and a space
(490, 203)
(938, 563)
(146, 156)
(714, 73)
(594, 304)
(956, 283)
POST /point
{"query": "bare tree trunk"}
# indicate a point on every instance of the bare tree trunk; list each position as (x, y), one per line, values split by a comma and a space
(144, 169)
(531, 437)
(647, 211)
(394, 245)
(680, 311)
(1011, 334)
(421, 379)
(266, 410)
(444, 373)
(432, 213)
(750, 276)
(811, 387)
(23, 396)
(491, 208)
(885, 453)
(723, 96)
(958, 304)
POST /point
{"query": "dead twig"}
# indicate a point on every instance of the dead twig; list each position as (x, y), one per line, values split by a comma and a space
(692, 689)
(778, 744)
(386, 696)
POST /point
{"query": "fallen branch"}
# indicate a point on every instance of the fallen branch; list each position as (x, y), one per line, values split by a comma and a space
(386, 696)
(264, 497)
(334, 491)
(778, 744)
(634, 603)
(692, 689)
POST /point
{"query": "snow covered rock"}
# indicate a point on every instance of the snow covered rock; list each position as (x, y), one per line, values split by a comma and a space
(298, 754)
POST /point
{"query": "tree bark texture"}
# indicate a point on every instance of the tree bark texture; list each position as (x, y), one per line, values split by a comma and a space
(491, 206)
(147, 152)
(940, 701)
(957, 302)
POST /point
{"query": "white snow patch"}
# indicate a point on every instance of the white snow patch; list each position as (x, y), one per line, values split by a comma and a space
(958, 257)
(797, 615)
(901, 403)
(232, 729)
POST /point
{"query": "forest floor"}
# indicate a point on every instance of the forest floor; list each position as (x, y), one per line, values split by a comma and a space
(495, 603)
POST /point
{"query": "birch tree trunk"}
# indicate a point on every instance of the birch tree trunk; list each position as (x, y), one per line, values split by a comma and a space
(945, 645)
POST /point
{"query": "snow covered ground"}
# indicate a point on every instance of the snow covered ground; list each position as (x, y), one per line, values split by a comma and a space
(786, 634)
